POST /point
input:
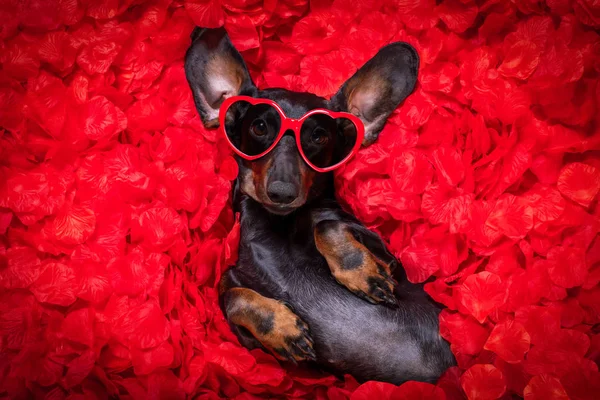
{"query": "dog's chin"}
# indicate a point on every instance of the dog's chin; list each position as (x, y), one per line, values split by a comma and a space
(279, 210)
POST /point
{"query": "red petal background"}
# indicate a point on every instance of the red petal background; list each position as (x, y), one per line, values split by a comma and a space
(114, 200)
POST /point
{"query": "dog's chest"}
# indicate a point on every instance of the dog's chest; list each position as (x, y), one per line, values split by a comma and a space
(279, 261)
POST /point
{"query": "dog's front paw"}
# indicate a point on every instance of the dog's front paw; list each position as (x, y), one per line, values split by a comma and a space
(370, 280)
(355, 266)
(289, 337)
(273, 324)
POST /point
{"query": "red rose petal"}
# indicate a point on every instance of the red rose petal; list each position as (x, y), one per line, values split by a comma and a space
(511, 216)
(92, 278)
(55, 284)
(416, 110)
(481, 294)
(205, 13)
(79, 369)
(509, 340)
(403, 206)
(566, 266)
(144, 326)
(457, 15)
(158, 227)
(579, 182)
(449, 382)
(242, 33)
(444, 205)
(317, 33)
(283, 59)
(22, 268)
(102, 120)
(235, 360)
(546, 167)
(522, 58)
(528, 287)
(229, 169)
(483, 381)
(316, 72)
(411, 171)
(418, 391)
(515, 375)
(146, 361)
(541, 323)
(465, 335)
(549, 205)
(374, 390)
(571, 340)
(423, 257)
(73, 226)
(449, 165)
(418, 15)
(572, 313)
(267, 371)
(544, 387)
(439, 77)
(164, 384)
(581, 381)
(505, 262)
(78, 326)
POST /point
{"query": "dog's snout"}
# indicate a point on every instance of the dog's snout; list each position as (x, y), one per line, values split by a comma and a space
(282, 192)
(283, 183)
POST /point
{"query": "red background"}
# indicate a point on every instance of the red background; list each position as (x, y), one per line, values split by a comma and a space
(114, 201)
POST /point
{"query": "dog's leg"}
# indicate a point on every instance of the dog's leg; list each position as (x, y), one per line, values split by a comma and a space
(358, 259)
(271, 322)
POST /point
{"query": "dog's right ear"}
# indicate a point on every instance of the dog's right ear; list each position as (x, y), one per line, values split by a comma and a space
(215, 71)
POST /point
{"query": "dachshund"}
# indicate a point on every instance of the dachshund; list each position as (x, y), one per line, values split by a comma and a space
(311, 283)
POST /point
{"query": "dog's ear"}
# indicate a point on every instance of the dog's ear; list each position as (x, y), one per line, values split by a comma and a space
(378, 87)
(215, 71)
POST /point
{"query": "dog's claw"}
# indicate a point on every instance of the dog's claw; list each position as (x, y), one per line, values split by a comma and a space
(384, 292)
(381, 289)
(366, 297)
(304, 349)
(298, 347)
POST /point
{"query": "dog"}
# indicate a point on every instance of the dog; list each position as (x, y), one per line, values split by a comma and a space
(312, 284)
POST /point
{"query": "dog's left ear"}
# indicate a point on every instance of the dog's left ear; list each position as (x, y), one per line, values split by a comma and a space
(378, 87)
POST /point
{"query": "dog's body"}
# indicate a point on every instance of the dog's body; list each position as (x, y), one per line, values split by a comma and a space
(311, 283)
(278, 259)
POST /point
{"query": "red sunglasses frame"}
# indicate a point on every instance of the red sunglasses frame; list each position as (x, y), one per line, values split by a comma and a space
(291, 124)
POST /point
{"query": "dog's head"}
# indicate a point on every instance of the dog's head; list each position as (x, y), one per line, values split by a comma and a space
(281, 180)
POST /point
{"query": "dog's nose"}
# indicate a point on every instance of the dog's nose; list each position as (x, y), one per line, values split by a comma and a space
(282, 192)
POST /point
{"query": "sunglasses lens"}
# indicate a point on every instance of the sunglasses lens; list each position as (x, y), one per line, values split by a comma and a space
(252, 129)
(327, 141)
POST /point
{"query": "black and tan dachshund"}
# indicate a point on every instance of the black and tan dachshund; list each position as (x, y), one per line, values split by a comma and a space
(312, 283)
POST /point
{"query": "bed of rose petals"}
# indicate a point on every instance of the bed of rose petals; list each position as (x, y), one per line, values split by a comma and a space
(114, 201)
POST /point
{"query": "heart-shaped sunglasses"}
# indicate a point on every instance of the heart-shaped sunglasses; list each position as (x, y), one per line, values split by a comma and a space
(325, 139)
